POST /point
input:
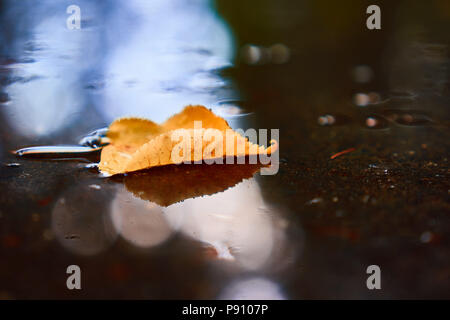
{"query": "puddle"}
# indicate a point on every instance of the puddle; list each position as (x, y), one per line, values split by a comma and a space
(363, 149)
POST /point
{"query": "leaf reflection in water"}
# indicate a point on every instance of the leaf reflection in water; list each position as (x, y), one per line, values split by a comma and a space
(170, 184)
(220, 207)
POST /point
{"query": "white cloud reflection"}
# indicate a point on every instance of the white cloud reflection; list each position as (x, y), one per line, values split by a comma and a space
(169, 61)
(46, 91)
(151, 58)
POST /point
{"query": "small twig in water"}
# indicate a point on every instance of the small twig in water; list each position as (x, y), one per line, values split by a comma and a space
(342, 152)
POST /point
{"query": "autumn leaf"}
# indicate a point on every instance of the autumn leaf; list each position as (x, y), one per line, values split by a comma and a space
(137, 144)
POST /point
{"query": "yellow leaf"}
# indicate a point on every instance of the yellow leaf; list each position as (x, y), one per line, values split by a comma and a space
(137, 144)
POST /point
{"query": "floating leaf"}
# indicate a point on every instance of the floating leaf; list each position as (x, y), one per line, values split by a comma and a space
(195, 134)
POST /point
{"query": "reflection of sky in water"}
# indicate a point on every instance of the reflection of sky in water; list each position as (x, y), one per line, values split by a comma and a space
(165, 64)
(47, 90)
(129, 61)
(236, 223)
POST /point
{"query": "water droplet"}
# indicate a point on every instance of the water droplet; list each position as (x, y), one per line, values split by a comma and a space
(407, 117)
(95, 138)
(371, 122)
(361, 99)
(335, 119)
(326, 120)
(365, 99)
(315, 201)
(91, 166)
(376, 122)
(12, 165)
